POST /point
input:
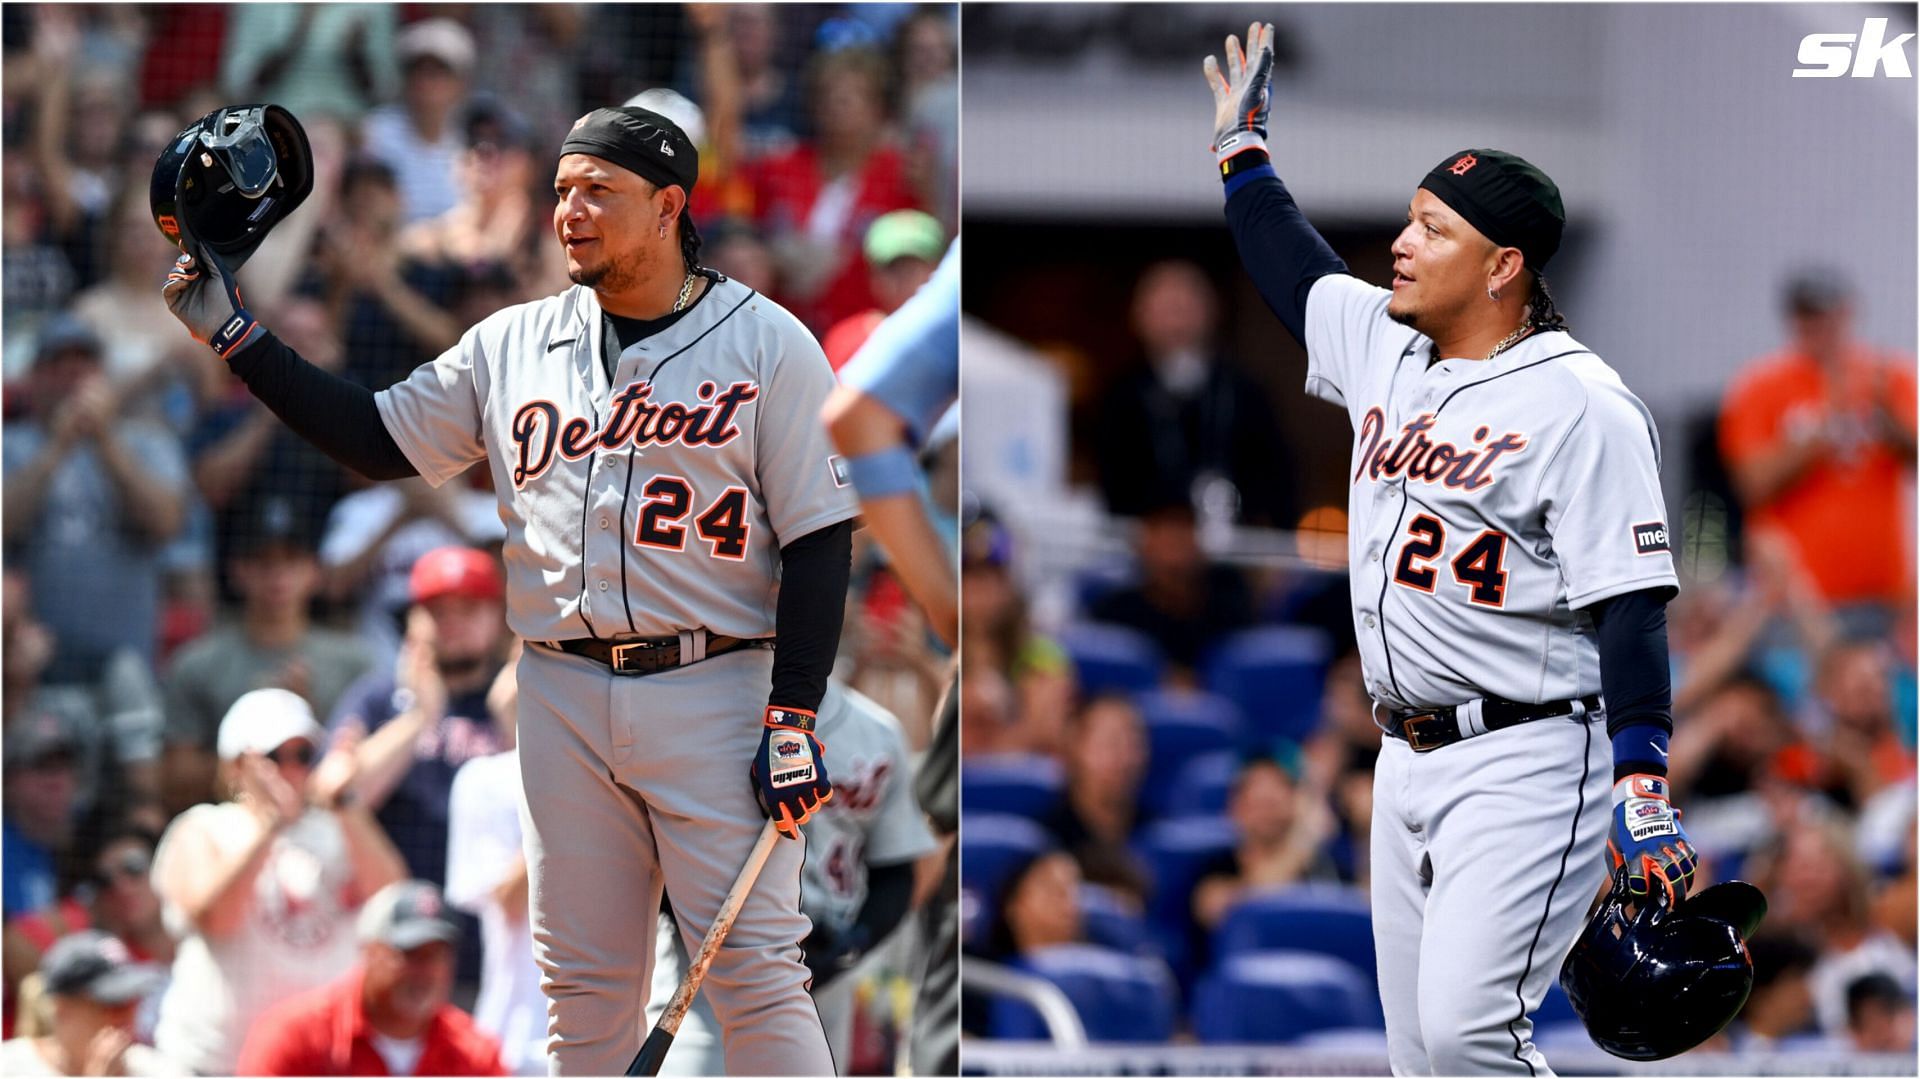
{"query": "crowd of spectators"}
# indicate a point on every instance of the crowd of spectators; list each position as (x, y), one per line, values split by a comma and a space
(238, 695)
(1172, 783)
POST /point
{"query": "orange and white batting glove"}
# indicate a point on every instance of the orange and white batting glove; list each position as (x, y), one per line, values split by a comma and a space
(790, 770)
(1646, 838)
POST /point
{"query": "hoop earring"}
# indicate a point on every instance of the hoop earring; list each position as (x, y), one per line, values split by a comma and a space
(1492, 295)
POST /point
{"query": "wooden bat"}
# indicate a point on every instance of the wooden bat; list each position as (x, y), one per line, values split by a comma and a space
(653, 1052)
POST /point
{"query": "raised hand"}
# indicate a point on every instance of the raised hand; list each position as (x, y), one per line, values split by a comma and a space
(1242, 98)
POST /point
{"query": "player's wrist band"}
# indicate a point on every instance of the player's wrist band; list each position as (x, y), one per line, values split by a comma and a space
(241, 329)
(884, 473)
(797, 718)
(1639, 748)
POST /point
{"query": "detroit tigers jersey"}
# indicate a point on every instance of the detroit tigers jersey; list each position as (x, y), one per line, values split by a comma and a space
(872, 819)
(1488, 503)
(649, 504)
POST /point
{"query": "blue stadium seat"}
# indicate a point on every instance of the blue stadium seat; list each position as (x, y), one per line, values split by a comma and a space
(1181, 726)
(1120, 997)
(1328, 919)
(1107, 657)
(1174, 852)
(1556, 1008)
(1202, 786)
(1275, 675)
(992, 845)
(1113, 920)
(1023, 784)
(1282, 996)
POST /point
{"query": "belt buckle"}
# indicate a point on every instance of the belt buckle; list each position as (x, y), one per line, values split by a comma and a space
(1413, 735)
(620, 654)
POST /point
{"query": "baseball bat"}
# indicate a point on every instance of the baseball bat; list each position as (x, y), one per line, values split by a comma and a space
(653, 1052)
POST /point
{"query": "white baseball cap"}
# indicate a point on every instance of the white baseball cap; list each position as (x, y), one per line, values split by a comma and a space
(265, 720)
(675, 106)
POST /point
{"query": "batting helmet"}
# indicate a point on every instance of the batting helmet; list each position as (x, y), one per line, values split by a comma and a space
(1662, 981)
(232, 175)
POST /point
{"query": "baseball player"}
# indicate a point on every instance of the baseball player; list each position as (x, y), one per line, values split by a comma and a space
(1510, 568)
(857, 883)
(677, 556)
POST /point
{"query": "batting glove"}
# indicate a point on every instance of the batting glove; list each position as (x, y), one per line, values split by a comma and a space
(215, 316)
(790, 771)
(1242, 98)
(1647, 839)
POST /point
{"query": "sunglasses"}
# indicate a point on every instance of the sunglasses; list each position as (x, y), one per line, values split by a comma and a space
(298, 752)
(134, 865)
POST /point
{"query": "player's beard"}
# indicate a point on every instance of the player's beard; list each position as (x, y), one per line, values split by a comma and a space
(616, 275)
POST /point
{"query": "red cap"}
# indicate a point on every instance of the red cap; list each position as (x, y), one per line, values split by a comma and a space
(454, 571)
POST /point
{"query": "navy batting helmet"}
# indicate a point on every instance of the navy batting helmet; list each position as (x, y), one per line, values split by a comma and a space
(1657, 983)
(225, 181)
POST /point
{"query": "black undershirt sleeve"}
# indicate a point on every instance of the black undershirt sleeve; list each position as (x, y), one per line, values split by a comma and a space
(1635, 674)
(814, 571)
(1281, 251)
(337, 416)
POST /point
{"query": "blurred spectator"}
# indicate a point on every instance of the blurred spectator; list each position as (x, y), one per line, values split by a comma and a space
(273, 642)
(927, 60)
(79, 116)
(1018, 683)
(415, 724)
(495, 220)
(113, 725)
(535, 52)
(1339, 758)
(93, 987)
(36, 826)
(420, 138)
(902, 248)
(1819, 438)
(390, 1014)
(376, 534)
(245, 459)
(1183, 601)
(91, 497)
(735, 248)
(390, 306)
(487, 877)
(1781, 1005)
(768, 98)
(335, 59)
(1189, 425)
(113, 893)
(1283, 830)
(1863, 753)
(1815, 885)
(261, 890)
(1039, 908)
(1879, 1016)
(38, 276)
(143, 347)
(1106, 761)
(816, 201)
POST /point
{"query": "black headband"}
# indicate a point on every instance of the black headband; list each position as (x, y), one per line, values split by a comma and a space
(638, 140)
(1511, 202)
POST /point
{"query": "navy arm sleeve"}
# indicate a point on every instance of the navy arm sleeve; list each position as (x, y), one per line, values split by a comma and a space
(337, 416)
(1636, 678)
(814, 571)
(1282, 252)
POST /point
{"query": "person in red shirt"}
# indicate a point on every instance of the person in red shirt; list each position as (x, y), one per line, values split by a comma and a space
(388, 1016)
(816, 201)
(1819, 439)
(902, 249)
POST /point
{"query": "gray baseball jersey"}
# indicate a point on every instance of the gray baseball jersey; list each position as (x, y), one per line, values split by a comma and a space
(649, 504)
(1489, 502)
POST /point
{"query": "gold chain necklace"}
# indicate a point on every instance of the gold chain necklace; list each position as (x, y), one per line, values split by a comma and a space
(1510, 340)
(686, 292)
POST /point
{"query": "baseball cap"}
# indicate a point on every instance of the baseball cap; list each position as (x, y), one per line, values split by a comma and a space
(454, 571)
(407, 914)
(64, 333)
(489, 119)
(274, 519)
(675, 106)
(441, 39)
(97, 966)
(266, 719)
(35, 740)
(1816, 290)
(905, 234)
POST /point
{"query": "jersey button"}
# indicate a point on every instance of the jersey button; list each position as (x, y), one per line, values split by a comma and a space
(1368, 620)
(603, 522)
(603, 586)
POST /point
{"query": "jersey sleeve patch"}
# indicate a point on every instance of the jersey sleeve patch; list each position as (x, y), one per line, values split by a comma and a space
(1650, 538)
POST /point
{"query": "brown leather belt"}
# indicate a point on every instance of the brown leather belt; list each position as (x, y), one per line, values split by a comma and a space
(1430, 728)
(636, 656)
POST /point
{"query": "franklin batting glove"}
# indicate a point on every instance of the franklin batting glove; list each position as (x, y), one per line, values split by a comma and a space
(1647, 840)
(215, 316)
(790, 771)
(1242, 98)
